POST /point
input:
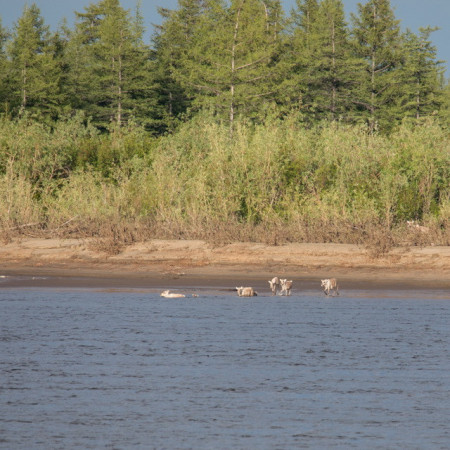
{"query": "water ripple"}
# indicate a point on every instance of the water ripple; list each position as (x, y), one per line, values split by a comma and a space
(128, 370)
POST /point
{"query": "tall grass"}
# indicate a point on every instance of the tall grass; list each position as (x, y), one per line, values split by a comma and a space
(275, 183)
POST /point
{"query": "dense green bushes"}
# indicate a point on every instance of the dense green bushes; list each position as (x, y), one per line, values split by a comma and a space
(274, 182)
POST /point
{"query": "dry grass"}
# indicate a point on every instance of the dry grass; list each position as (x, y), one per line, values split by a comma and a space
(112, 236)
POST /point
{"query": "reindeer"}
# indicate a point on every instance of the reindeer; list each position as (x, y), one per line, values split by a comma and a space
(330, 285)
(274, 285)
(246, 291)
(168, 294)
(286, 286)
(415, 226)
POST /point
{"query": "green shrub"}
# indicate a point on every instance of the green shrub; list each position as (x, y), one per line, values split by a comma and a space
(328, 183)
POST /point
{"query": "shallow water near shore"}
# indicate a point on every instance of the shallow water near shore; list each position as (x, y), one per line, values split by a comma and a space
(129, 369)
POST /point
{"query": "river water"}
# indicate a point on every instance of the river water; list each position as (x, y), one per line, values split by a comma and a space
(128, 369)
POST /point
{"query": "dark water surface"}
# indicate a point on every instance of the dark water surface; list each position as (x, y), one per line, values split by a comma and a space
(91, 369)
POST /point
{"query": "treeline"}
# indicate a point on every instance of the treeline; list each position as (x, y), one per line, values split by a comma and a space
(238, 58)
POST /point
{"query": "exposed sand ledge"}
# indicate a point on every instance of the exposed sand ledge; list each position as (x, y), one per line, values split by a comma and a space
(184, 263)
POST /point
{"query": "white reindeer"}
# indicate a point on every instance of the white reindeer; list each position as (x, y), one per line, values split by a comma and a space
(275, 285)
(168, 294)
(415, 226)
(286, 286)
(329, 285)
(246, 291)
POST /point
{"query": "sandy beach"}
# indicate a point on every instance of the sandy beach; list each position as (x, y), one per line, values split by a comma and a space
(33, 262)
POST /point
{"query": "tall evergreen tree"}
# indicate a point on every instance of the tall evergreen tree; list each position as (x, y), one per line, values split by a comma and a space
(298, 54)
(420, 75)
(334, 67)
(377, 41)
(305, 17)
(325, 69)
(34, 71)
(253, 69)
(110, 64)
(79, 67)
(172, 41)
(231, 63)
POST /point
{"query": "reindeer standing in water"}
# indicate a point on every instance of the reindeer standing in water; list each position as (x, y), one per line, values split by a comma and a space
(329, 285)
(286, 286)
(275, 285)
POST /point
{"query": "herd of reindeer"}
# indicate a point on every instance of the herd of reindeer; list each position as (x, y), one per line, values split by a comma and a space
(283, 286)
(278, 286)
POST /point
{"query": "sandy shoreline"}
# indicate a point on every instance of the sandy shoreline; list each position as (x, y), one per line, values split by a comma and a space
(190, 264)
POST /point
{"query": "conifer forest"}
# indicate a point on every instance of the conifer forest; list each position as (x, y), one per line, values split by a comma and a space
(238, 121)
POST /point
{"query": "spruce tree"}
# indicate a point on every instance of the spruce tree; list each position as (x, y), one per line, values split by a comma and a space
(377, 42)
(325, 68)
(172, 41)
(78, 74)
(420, 75)
(109, 65)
(336, 67)
(34, 71)
(253, 68)
(305, 17)
(298, 55)
(231, 64)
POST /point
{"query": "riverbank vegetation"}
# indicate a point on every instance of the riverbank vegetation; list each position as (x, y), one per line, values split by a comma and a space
(287, 129)
(275, 182)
